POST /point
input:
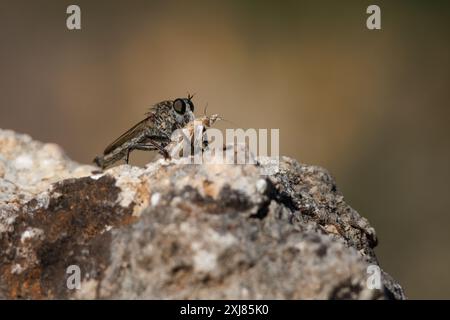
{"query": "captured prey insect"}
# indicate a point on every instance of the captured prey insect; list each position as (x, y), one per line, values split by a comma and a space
(151, 134)
(188, 133)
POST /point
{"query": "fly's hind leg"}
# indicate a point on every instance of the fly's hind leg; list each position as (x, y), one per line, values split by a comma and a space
(127, 157)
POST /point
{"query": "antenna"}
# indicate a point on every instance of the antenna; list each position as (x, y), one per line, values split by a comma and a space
(190, 96)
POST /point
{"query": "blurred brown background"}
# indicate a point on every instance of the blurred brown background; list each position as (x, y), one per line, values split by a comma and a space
(370, 106)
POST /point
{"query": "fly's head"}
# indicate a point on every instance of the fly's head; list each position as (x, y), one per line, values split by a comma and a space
(173, 114)
(183, 111)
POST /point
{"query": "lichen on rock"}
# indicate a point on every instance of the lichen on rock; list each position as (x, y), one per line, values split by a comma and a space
(176, 231)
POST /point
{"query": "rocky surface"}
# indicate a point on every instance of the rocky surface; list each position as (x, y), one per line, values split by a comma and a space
(176, 231)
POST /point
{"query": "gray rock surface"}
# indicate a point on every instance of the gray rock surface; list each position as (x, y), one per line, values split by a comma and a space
(174, 231)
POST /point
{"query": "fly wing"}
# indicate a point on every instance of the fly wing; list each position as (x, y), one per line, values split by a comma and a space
(128, 135)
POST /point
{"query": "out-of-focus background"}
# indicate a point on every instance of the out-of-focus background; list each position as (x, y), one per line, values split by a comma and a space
(370, 106)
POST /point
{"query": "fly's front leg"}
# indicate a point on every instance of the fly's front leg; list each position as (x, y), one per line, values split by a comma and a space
(152, 146)
(159, 142)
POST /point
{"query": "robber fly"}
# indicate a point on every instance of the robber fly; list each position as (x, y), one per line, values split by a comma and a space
(151, 134)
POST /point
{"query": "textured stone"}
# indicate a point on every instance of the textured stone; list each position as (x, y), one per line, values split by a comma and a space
(177, 231)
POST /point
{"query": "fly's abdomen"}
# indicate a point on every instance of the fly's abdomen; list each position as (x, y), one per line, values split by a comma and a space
(108, 159)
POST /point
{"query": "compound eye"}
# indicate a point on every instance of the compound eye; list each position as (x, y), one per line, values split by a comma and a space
(180, 106)
(191, 104)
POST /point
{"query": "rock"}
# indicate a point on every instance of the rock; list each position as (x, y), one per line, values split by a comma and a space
(175, 231)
